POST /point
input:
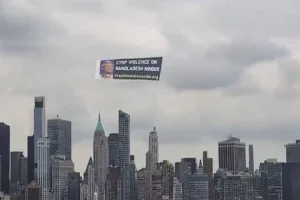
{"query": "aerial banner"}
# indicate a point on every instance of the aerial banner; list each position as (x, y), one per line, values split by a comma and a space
(134, 68)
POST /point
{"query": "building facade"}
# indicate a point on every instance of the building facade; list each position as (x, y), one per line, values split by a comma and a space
(33, 191)
(74, 186)
(142, 183)
(60, 135)
(113, 149)
(30, 162)
(251, 158)
(5, 156)
(15, 167)
(124, 136)
(100, 158)
(198, 185)
(149, 173)
(293, 152)
(232, 155)
(89, 187)
(43, 166)
(177, 189)
(113, 184)
(133, 179)
(153, 146)
(208, 169)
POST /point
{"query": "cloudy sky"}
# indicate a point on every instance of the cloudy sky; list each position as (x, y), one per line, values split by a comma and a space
(230, 67)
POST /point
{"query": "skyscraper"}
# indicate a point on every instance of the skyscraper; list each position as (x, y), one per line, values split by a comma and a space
(142, 183)
(113, 149)
(88, 187)
(113, 185)
(232, 155)
(153, 145)
(149, 173)
(74, 186)
(43, 166)
(124, 136)
(4, 153)
(39, 126)
(30, 163)
(23, 171)
(208, 169)
(100, 158)
(177, 169)
(188, 167)
(133, 178)
(177, 189)
(198, 185)
(60, 136)
(15, 166)
(167, 179)
(293, 152)
(60, 169)
(0, 173)
(251, 158)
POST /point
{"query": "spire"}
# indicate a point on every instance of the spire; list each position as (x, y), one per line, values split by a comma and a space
(200, 168)
(99, 128)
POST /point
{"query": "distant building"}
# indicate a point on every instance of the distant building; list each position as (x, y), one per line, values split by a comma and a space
(232, 155)
(188, 167)
(153, 146)
(293, 152)
(208, 169)
(113, 149)
(33, 191)
(142, 183)
(43, 165)
(15, 167)
(30, 162)
(177, 189)
(167, 179)
(251, 158)
(177, 169)
(88, 186)
(23, 171)
(5, 156)
(60, 169)
(74, 186)
(149, 173)
(133, 179)
(60, 136)
(113, 184)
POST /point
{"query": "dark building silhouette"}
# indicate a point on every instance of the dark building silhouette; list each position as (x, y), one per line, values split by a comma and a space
(113, 184)
(177, 169)
(5, 154)
(251, 158)
(293, 152)
(113, 149)
(33, 191)
(15, 167)
(188, 167)
(208, 169)
(30, 160)
(74, 186)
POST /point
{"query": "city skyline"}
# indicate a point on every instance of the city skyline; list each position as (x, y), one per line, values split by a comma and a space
(220, 75)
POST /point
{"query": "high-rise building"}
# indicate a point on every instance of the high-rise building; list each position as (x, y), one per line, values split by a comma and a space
(60, 136)
(88, 188)
(232, 155)
(177, 189)
(251, 158)
(157, 182)
(113, 149)
(141, 176)
(60, 169)
(177, 169)
(167, 179)
(0, 171)
(198, 185)
(187, 168)
(5, 153)
(39, 125)
(113, 184)
(149, 173)
(133, 179)
(33, 191)
(23, 171)
(293, 152)
(153, 145)
(15, 171)
(208, 169)
(31, 165)
(43, 166)
(74, 186)
(124, 136)
(100, 158)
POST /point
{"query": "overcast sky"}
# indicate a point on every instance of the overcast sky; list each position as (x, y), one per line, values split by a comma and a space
(229, 67)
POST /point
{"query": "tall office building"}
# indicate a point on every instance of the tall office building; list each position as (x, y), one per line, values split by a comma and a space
(141, 184)
(113, 149)
(0, 172)
(177, 169)
(39, 125)
(15, 170)
(167, 179)
(150, 172)
(89, 187)
(232, 155)
(74, 186)
(153, 145)
(60, 169)
(43, 166)
(113, 184)
(5, 153)
(100, 158)
(198, 185)
(124, 136)
(208, 169)
(60, 136)
(30, 161)
(293, 152)
(251, 158)
(187, 168)
(133, 179)
(23, 170)
(33, 191)
(157, 182)
(177, 189)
